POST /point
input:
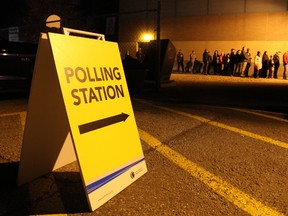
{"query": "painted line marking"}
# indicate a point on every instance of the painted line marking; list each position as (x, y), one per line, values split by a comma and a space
(259, 114)
(256, 112)
(221, 187)
(224, 126)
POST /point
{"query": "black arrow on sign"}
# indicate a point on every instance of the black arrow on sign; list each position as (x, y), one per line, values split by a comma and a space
(84, 128)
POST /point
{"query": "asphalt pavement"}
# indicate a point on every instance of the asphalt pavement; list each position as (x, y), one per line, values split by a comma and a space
(213, 145)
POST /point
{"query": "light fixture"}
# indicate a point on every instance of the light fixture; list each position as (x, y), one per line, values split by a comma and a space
(146, 37)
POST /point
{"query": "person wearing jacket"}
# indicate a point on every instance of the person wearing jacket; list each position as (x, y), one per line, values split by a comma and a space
(237, 68)
(257, 64)
(265, 65)
(180, 60)
(276, 60)
(244, 60)
(285, 63)
(206, 62)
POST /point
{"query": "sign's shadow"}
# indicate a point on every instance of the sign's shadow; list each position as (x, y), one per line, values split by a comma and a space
(53, 193)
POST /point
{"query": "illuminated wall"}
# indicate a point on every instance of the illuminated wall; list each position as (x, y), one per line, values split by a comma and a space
(212, 24)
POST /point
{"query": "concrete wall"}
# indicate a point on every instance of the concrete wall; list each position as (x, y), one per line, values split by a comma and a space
(261, 31)
(213, 24)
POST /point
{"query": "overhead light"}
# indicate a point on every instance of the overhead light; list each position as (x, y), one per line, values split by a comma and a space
(147, 37)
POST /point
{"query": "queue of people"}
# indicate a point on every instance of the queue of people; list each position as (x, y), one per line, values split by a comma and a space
(236, 63)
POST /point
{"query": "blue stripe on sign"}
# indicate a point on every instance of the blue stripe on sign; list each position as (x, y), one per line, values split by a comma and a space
(97, 184)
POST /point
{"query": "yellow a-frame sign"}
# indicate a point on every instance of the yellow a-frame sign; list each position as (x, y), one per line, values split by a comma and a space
(80, 109)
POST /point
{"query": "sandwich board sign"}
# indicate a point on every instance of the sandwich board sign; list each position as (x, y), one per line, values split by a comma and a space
(80, 109)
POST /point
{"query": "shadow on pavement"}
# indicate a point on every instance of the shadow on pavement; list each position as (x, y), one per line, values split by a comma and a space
(264, 94)
(13, 199)
(54, 193)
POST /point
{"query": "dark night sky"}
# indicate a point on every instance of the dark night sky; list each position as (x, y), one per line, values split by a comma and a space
(31, 15)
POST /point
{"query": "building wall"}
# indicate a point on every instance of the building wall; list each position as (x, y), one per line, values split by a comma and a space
(212, 24)
(261, 31)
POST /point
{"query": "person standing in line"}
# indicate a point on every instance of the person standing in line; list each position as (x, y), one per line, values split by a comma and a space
(226, 62)
(205, 62)
(232, 62)
(271, 67)
(237, 63)
(216, 62)
(246, 73)
(265, 64)
(210, 62)
(276, 59)
(180, 60)
(257, 64)
(192, 60)
(285, 63)
(221, 63)
(244, 60)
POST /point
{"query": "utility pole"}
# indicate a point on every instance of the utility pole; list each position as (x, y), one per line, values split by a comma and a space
(158, 72)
